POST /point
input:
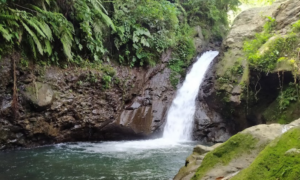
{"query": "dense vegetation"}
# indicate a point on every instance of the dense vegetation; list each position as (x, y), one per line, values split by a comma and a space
(258, 2)
(133, 32)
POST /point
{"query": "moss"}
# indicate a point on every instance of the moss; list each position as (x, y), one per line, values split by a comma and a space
(273, 163)
(267, 57)
(296, 26)
(223, 155)
(246, 74)
(273, 115)
(267, 50)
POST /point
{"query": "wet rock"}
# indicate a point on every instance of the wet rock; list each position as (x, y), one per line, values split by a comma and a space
(149, 106)
(199, 41)
(200, 149)
(194, 161)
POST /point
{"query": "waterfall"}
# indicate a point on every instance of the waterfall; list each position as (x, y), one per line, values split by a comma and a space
(181, 113)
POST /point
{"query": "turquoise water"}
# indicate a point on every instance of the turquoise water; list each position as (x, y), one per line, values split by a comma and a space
(152, 159)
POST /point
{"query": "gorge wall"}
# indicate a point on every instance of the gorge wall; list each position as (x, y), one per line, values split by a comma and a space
(76, 104)
(238, 93)
(59, 105)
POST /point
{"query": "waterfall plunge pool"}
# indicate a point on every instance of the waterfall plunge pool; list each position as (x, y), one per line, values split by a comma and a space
(158, 159)
(128, 160)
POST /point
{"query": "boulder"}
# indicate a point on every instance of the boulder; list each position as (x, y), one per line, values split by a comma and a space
(39, 94)
(279, 160)
(193, 162)
(224, 161)
(199, 40)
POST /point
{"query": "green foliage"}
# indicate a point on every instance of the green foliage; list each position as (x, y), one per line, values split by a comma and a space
(269, 25)
(106, 80)
(109, 70)
(210, 14)
(93, 20)
(34, 28)
(296, 27)
(237, 69)
(252, 46)
(287, 96)
(39, 25)
(258, 2)
(183, 52)
(144, 30)
(264, 56)
(274, 162)
(279, 47)
(92, 78)
(60, 27)
(233, 148)
(133, 31)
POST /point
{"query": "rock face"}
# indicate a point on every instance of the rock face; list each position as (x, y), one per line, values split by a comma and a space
(228, 106)
(193, 162)
(224, 161)
(209, 124)
(59, 105)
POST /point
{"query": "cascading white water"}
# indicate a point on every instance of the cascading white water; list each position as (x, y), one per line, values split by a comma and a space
(181, 114)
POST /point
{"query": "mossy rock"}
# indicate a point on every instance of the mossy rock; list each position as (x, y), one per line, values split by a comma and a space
(282, 63)
(237, 153)
(276, 161)
(234, 147)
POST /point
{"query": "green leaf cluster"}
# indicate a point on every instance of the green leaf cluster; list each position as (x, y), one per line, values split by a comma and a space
(211, 15)
(134, 32)
(263, 55)
(48, 28)
(144, 30)
(287, 96)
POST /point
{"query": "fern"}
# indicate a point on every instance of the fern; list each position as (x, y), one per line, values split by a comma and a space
(32, 45)
(34, 37)
(48, 48)
(60, 27)
(44, 28)
(67, 41)
(5, 33)
(33, 22)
